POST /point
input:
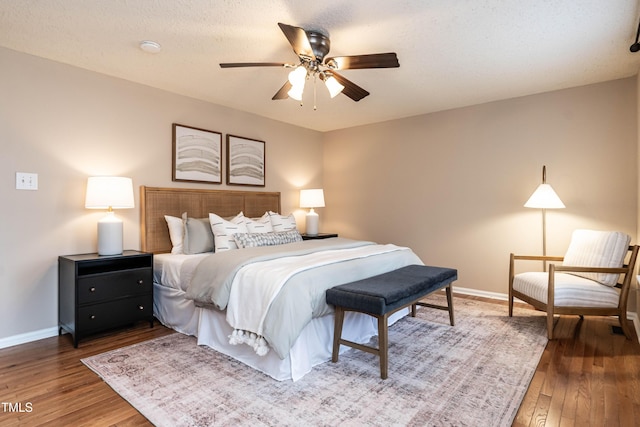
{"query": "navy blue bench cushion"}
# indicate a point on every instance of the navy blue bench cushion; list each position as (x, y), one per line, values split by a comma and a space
(383, 293)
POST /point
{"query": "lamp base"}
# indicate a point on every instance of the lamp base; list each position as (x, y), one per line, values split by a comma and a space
(110, 235)
(312, 223)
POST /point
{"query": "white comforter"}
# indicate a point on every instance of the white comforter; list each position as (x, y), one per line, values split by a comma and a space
(302, 296)
(256, 285)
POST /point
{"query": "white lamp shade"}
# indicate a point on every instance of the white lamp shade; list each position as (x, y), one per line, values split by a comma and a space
(298, 76)
(104, 192)
(334, 86)
(313, 198)
(296, 92)
(544, 198)
(109, 192)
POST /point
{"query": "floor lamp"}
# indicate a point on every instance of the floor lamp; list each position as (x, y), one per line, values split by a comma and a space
(544, 198)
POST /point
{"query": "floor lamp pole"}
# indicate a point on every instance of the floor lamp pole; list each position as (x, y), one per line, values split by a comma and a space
(544, 238)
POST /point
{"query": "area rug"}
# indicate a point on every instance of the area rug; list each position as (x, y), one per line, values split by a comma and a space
(473, 374)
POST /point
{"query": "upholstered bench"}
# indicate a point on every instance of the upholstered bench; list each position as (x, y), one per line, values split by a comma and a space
(381, 296)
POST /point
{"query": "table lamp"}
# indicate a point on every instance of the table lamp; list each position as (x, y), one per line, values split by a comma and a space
(313, 198)
(109, 192)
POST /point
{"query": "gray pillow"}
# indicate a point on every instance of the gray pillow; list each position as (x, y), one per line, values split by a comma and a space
(198, 237)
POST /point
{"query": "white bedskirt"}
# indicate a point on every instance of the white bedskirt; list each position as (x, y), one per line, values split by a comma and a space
(313, 346)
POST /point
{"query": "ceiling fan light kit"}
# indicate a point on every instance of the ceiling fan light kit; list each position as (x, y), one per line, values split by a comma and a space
(312, 48)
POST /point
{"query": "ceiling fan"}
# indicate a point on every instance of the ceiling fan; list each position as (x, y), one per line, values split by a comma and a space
(312, 47)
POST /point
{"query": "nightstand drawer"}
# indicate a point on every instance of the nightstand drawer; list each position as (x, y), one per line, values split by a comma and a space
(102, 287)
(114, 313)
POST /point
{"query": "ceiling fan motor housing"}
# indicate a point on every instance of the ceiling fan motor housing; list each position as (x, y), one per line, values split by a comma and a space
(320, 44)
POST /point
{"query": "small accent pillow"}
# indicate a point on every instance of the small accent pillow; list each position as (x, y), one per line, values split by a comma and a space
(198, 237)
(259, 225)
(282, 223)
(224, 230)
(176, 233)
(252, 240)
(590, 248)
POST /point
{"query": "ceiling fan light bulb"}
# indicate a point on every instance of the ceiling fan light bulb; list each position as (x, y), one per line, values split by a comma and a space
(333, 86)
(298, 76)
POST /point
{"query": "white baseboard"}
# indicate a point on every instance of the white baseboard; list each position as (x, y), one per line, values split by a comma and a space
(478, 293)
(28, 337)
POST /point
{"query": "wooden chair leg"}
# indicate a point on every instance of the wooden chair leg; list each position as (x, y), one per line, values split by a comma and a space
(337, 333)
(511, 273)
(550, 323)
(625, 325)
(383, 345)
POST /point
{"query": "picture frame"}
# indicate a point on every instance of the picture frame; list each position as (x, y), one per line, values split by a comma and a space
(245, 161)
(196, 155)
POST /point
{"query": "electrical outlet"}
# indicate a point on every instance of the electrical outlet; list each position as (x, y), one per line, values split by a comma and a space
(26, 181)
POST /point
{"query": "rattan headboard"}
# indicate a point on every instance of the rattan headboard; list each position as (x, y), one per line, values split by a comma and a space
(157, 202)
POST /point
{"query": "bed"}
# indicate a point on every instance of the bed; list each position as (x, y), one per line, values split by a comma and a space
(294, 331)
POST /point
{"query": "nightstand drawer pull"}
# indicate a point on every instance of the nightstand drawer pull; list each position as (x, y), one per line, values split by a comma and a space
(93, 316)
(92, 289)
(140, 307)
(140, 282)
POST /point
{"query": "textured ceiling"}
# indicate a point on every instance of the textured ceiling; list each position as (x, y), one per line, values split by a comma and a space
(451, 53)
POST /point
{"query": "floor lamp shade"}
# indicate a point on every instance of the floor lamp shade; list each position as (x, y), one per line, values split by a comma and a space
(312, 198)
(109, 192)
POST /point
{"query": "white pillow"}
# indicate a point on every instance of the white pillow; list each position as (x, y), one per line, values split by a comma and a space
(224, 230)
(590, 248)
(259, 225)
(176, 233)
(281, 222)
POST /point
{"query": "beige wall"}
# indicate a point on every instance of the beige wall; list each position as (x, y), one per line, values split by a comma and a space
(451, 185)
(66, 124)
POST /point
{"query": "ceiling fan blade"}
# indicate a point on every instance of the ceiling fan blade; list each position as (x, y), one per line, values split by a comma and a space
(252, 64)
(282, 93)
(375, 60)
(298, 39)
(351, 89)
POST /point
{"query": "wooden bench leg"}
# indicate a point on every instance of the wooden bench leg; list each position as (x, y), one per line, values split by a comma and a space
(337, 333)
(450, 304)
(383, 345)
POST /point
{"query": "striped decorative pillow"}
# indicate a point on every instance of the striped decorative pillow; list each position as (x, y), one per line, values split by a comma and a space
(282, 223)
(259, 225)
(224, 230)
(591, 248)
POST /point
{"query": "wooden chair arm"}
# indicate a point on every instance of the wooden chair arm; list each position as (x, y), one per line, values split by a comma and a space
(574, 269)
(537, 257)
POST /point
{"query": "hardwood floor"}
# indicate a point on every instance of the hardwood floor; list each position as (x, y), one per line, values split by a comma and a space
(589, 376)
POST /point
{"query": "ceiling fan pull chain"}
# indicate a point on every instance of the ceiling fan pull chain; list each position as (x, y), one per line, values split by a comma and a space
(314, 93)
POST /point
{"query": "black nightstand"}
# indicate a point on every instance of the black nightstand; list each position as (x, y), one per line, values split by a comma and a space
(97, 293)
(318, 236)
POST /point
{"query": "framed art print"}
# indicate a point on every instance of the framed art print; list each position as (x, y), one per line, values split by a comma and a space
(196, 155)
(245, 161)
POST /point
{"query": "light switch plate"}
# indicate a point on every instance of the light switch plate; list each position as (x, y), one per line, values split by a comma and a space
(26, 181)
